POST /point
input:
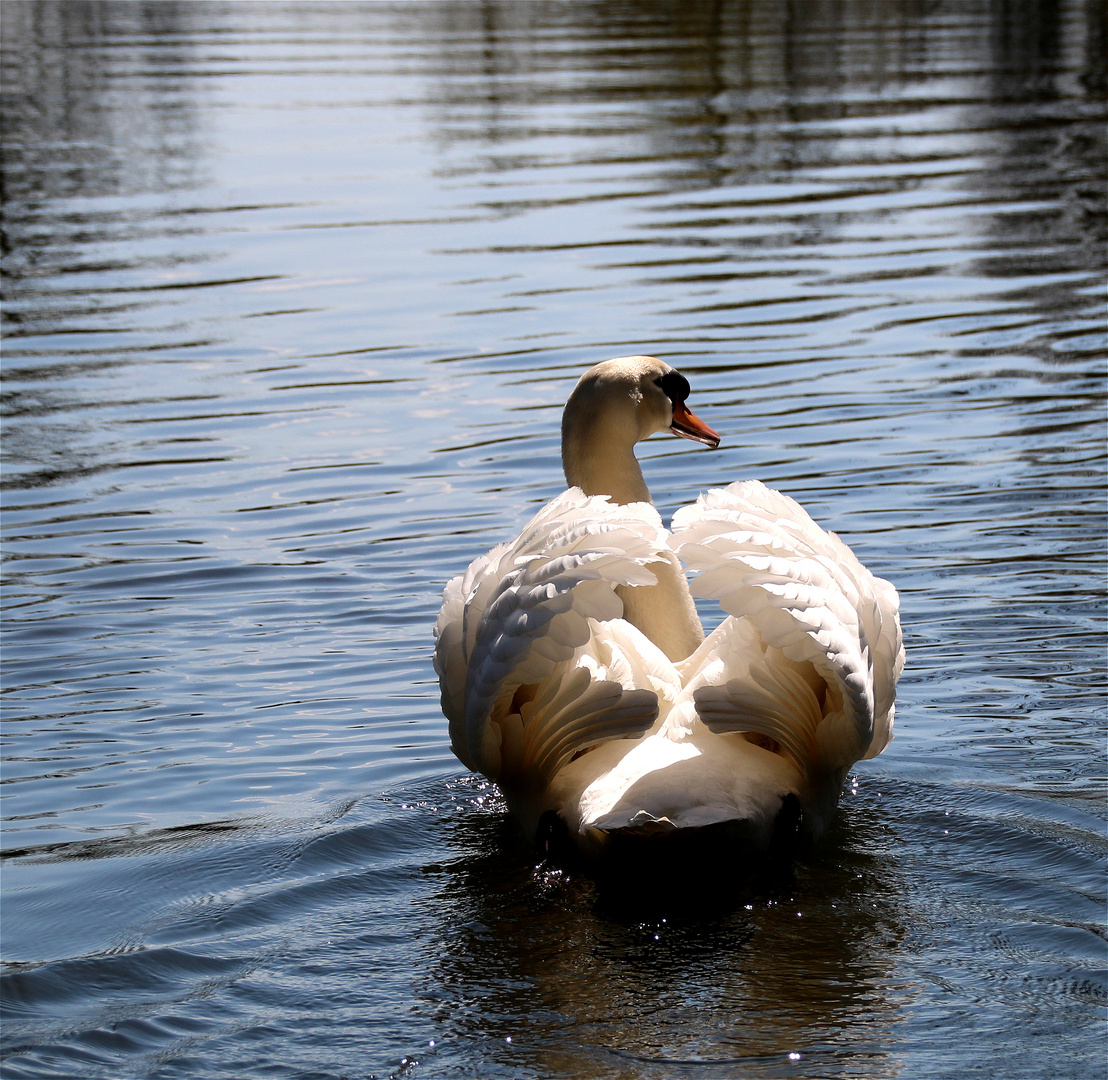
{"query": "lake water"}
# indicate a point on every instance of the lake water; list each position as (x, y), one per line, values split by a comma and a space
(294, 295)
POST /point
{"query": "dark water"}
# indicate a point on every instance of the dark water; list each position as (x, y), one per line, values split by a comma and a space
(293, 296)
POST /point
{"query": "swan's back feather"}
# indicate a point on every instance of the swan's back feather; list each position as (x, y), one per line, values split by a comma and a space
(530, 675)
(814, 608)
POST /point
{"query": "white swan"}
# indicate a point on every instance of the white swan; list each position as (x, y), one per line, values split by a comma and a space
(575, 673)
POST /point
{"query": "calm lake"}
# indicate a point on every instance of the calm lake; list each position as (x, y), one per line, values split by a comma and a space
(294, 294)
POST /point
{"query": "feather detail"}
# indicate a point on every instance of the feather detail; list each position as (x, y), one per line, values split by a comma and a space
(531, 614)
(814, 606)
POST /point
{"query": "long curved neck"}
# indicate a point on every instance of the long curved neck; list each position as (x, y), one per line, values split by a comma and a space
(601, 461)
(665, 612)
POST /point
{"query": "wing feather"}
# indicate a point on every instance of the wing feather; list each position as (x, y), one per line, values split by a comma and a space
(814, 607)
(530, 674)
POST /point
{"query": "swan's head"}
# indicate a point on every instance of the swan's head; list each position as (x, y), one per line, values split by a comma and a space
(629, 399)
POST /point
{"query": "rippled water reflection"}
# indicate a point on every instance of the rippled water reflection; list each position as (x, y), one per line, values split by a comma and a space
(293, 296)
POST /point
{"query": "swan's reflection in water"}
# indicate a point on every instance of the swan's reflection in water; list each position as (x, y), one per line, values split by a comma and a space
(795, 962)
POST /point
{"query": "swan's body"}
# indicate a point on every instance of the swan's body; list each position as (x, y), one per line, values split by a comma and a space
(576, 675)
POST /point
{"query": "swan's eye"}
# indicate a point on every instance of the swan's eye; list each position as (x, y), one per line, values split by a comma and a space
(674, 385)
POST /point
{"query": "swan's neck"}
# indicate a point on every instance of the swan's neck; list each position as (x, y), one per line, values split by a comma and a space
(665, 612)
(601, 465)
(601, 462)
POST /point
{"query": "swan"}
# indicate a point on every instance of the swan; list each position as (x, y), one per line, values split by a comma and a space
(575, 673)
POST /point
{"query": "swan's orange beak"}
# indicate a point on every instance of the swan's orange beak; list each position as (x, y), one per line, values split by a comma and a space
(689, 426)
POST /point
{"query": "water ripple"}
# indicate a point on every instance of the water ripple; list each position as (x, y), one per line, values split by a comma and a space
(291, 309)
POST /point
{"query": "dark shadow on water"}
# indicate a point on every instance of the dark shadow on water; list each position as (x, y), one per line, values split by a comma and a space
(686, 875)
(662, 960)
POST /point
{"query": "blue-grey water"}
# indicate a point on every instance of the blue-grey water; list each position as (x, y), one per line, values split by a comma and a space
(293, 295)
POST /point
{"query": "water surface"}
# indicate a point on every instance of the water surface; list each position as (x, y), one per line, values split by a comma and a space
(294, 294)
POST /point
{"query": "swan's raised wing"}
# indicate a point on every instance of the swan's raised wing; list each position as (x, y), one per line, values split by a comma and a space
(529, 671)
(811, 656)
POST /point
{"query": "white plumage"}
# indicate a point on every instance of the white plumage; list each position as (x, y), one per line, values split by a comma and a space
(575, 674)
